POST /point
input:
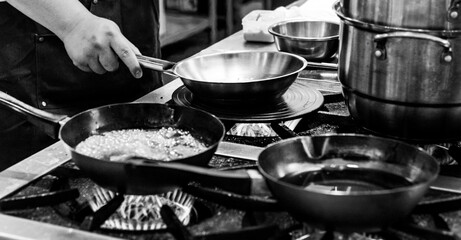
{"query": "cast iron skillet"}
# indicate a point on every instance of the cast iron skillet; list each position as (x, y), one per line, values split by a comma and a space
(322, 205)
(110, 174)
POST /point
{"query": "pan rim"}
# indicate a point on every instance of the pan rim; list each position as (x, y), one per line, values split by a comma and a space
(182, 62)
(72, 149)
(276, 181)
(314, 39)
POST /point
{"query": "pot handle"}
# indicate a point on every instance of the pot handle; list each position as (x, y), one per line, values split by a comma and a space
(155, 63)
(48, 122)
(380, 39)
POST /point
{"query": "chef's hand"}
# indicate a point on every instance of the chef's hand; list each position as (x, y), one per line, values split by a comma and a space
(96, 44)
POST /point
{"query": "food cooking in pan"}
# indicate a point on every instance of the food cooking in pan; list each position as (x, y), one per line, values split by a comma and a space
(165, 144)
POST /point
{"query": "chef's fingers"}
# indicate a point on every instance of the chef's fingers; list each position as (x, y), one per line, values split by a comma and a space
(134, 48)
(109, 60)
(96, 66)
(84, 68)
(123, 48)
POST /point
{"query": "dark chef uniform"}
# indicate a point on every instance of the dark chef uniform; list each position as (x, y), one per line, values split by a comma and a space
(35, 68)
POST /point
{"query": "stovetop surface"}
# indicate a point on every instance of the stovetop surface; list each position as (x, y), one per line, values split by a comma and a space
(332, 118)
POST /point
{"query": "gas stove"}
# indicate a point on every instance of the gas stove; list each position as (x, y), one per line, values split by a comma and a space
(64, 204)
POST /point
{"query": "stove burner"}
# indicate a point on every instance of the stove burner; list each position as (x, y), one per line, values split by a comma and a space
(300, 99)
(142, 213)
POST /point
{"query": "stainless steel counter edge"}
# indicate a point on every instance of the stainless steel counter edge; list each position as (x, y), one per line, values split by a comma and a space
(31, 168)
(20, 228)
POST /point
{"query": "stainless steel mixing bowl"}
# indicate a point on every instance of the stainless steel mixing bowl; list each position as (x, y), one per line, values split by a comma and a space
(313, 40)
(240, 76)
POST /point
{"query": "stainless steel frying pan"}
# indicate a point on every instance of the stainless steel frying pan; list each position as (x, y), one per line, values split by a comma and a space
(244, 75)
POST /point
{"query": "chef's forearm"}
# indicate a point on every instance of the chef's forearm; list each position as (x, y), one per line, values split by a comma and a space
(59, 16)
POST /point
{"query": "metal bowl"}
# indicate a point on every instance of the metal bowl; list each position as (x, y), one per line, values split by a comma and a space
(313, 40)
(240, 76)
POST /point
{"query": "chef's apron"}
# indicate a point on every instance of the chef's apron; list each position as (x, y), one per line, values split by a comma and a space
(35, 68)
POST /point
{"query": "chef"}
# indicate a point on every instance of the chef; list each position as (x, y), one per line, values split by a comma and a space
(64, 56)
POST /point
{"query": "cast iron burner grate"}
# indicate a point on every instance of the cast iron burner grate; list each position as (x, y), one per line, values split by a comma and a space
(142, 213)
(299, 100)
(418, 226)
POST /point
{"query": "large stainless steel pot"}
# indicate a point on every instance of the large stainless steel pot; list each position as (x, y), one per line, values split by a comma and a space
(418, 122)
(406, 66)
(424, 14)
(401, 78)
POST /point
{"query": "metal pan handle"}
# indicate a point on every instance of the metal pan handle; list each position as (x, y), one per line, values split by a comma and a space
(380, 39)
(233, 200)
(155, 63)
(48, 122)
(322, 65)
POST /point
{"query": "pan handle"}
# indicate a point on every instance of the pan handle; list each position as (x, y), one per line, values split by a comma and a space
(323, 65)
(168, 174)
(155, 63)
(48, 122)
(232, 200)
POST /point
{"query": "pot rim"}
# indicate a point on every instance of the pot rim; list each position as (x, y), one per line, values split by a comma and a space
(385, 28)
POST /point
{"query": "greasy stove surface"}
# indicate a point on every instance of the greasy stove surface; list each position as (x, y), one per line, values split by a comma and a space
(212, 219)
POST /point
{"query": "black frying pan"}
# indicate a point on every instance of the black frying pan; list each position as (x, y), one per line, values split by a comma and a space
(328, 205)
(110, 174)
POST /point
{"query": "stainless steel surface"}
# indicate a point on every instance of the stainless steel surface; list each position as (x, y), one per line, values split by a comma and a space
(241, 76)
(48, 122)
(408, 67)
(313, 40)
(241, 151)
(235, 75)
(154, 63)
(21, 107)
(388, 28)
(324, 65)
(412, 77)
(447, 184)
(425, 123)
(23, 229)
(425, 14)
(32, 168)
